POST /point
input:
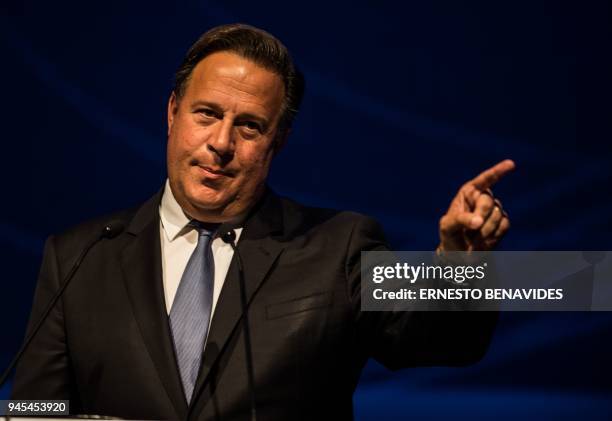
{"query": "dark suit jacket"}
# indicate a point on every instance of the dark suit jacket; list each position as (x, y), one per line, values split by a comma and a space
(107, 345)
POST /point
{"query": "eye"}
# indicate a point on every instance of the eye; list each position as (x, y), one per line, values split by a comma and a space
(249, 129)
(206, 112)
(251, 125)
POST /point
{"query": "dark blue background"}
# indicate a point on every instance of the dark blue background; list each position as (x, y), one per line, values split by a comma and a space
(403, 104)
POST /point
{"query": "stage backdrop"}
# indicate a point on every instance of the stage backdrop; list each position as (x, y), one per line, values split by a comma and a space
(403, 104)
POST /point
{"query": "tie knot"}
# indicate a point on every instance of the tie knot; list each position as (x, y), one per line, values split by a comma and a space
(204, 228)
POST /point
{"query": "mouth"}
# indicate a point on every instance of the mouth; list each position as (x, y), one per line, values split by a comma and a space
(213, 173)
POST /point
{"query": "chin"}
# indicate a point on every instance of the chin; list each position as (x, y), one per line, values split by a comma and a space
(202, 197)
(208, 203)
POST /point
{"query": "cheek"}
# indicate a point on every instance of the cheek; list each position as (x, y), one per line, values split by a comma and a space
(176, 152)
(184, 142)
(256, 162)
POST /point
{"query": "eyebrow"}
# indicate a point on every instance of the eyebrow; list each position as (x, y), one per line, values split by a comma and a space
(240, 117)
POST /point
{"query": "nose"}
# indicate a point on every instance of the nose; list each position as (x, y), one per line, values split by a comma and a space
(221, 143)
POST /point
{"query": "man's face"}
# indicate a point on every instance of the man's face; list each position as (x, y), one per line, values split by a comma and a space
(222, 136)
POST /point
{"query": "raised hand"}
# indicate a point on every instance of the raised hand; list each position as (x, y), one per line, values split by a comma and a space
(475, 219)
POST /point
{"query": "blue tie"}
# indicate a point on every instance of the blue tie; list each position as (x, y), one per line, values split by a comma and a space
(192, 307)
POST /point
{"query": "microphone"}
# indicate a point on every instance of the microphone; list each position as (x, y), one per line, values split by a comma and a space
(113, 229)
(228, 235)
(110, 230)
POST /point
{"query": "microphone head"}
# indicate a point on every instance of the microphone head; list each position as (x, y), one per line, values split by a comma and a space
(227, 234)
(113, 229)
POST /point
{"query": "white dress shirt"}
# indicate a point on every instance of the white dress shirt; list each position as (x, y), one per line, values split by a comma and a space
(178, 241)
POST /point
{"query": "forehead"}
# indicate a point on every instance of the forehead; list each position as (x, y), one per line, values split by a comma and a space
(230, 80)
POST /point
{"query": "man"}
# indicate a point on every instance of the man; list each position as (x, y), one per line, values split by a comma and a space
(150, 326)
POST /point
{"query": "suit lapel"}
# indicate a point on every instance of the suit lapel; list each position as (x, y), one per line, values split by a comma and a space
(141, 265)
(259, 250)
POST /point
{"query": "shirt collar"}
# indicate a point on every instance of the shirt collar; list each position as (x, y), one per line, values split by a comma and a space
(175, 222)
(173, 219)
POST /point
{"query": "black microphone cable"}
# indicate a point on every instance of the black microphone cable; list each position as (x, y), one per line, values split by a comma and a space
(229, 236)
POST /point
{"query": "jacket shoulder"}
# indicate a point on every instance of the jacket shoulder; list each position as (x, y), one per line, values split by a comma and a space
(298, 217)
(94, 226)
(129, 218)
(72, 240)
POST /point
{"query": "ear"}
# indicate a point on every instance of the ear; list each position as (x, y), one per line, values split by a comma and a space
(281, 140)
(172, 109)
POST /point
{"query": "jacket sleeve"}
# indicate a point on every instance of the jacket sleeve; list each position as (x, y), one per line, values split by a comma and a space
(44, 370)
(399, 339)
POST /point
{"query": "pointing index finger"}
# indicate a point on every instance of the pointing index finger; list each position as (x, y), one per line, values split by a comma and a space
(489, 177)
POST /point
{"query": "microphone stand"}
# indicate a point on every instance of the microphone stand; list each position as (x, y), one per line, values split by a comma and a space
(110, 230)
(229, 237)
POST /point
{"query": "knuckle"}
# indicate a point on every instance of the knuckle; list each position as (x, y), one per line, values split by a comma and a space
(504, 226)
(497, 214)
(489, 230)
(485, 202)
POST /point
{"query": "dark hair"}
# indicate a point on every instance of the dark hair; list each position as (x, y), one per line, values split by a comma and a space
(253, 44)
